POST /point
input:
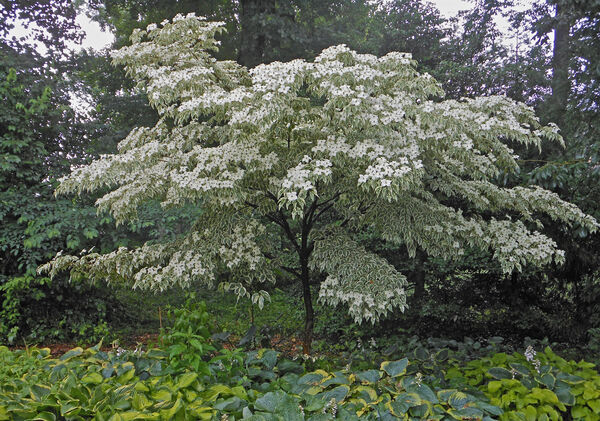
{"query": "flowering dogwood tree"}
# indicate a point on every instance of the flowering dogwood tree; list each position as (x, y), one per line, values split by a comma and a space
(317, 150)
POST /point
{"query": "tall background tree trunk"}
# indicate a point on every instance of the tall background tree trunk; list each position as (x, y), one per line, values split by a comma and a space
(253, 34)
(561, 56)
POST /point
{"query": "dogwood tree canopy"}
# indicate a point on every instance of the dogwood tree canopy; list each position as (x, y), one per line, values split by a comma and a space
(317, 150)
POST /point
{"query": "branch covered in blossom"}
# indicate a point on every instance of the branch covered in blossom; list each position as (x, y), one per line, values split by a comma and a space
(303, 145)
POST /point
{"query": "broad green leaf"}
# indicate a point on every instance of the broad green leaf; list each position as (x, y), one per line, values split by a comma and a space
(44, 416)
(404, 401)
(39, 391)
(424, 392)
(500, 373)
(92, 378)
(75, 352)
(185, 380)
(395, 368)
(494, 386)
(369, 376)
(337, 393)
(161, 395)
(564, 395)
(170, 413)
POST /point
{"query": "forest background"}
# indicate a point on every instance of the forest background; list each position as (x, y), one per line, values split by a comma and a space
(553, 65)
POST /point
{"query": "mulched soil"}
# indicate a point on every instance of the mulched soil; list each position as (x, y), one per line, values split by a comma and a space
(286, 345)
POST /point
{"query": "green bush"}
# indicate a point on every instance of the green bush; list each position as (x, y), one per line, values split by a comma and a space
(38, 309)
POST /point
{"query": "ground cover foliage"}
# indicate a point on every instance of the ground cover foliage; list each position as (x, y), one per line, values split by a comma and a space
(192, 376)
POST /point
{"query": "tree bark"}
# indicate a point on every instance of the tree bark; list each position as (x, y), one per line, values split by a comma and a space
(309, 312)
(561, 56)
(418, 275)
(252, 34)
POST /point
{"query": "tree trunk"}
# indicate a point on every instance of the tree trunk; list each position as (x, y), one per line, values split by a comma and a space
(418, 275)
(252, 34)
(561, 56)
(309, 312)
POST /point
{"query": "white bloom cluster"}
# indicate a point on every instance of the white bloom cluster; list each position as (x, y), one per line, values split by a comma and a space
(515, 246)
(242, 247)
(365, 282)
(277, 77)
(215, 98)
(384, 171)
(302, 178)
(362, 306)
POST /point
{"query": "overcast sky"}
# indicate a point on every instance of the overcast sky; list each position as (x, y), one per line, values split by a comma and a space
(97, 39)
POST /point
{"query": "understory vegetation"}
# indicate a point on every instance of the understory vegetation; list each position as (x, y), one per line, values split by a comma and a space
(197, 373)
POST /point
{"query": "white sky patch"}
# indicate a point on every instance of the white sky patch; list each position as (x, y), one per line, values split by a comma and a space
(450, 8)
(95, 37)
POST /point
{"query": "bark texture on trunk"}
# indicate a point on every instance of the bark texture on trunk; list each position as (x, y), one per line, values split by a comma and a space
(309, 312)
(561, 57)
(253, 34)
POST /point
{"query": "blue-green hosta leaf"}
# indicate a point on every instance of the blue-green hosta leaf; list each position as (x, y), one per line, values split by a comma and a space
(570, 378)
(367, 393)
(108, 372)
(268, 358)
(520, 368)
(405, 401)
(369, 376)
(231, 405)
(44, 416)
(288, 366)
(314, 403)
(489, 408)
(500, 373)
(419, 411)
(337, 393)
(280, 403)
(424, 392)
(469, 413)
(320, 417)
(39, 392)
(314, 378)
(267, 375)
(547, 380)
(528, 382)
(458, 400)
(338, 378)
(565, 396)
(442, 355)
(395, 368)
(70, 408)
(421, 354)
